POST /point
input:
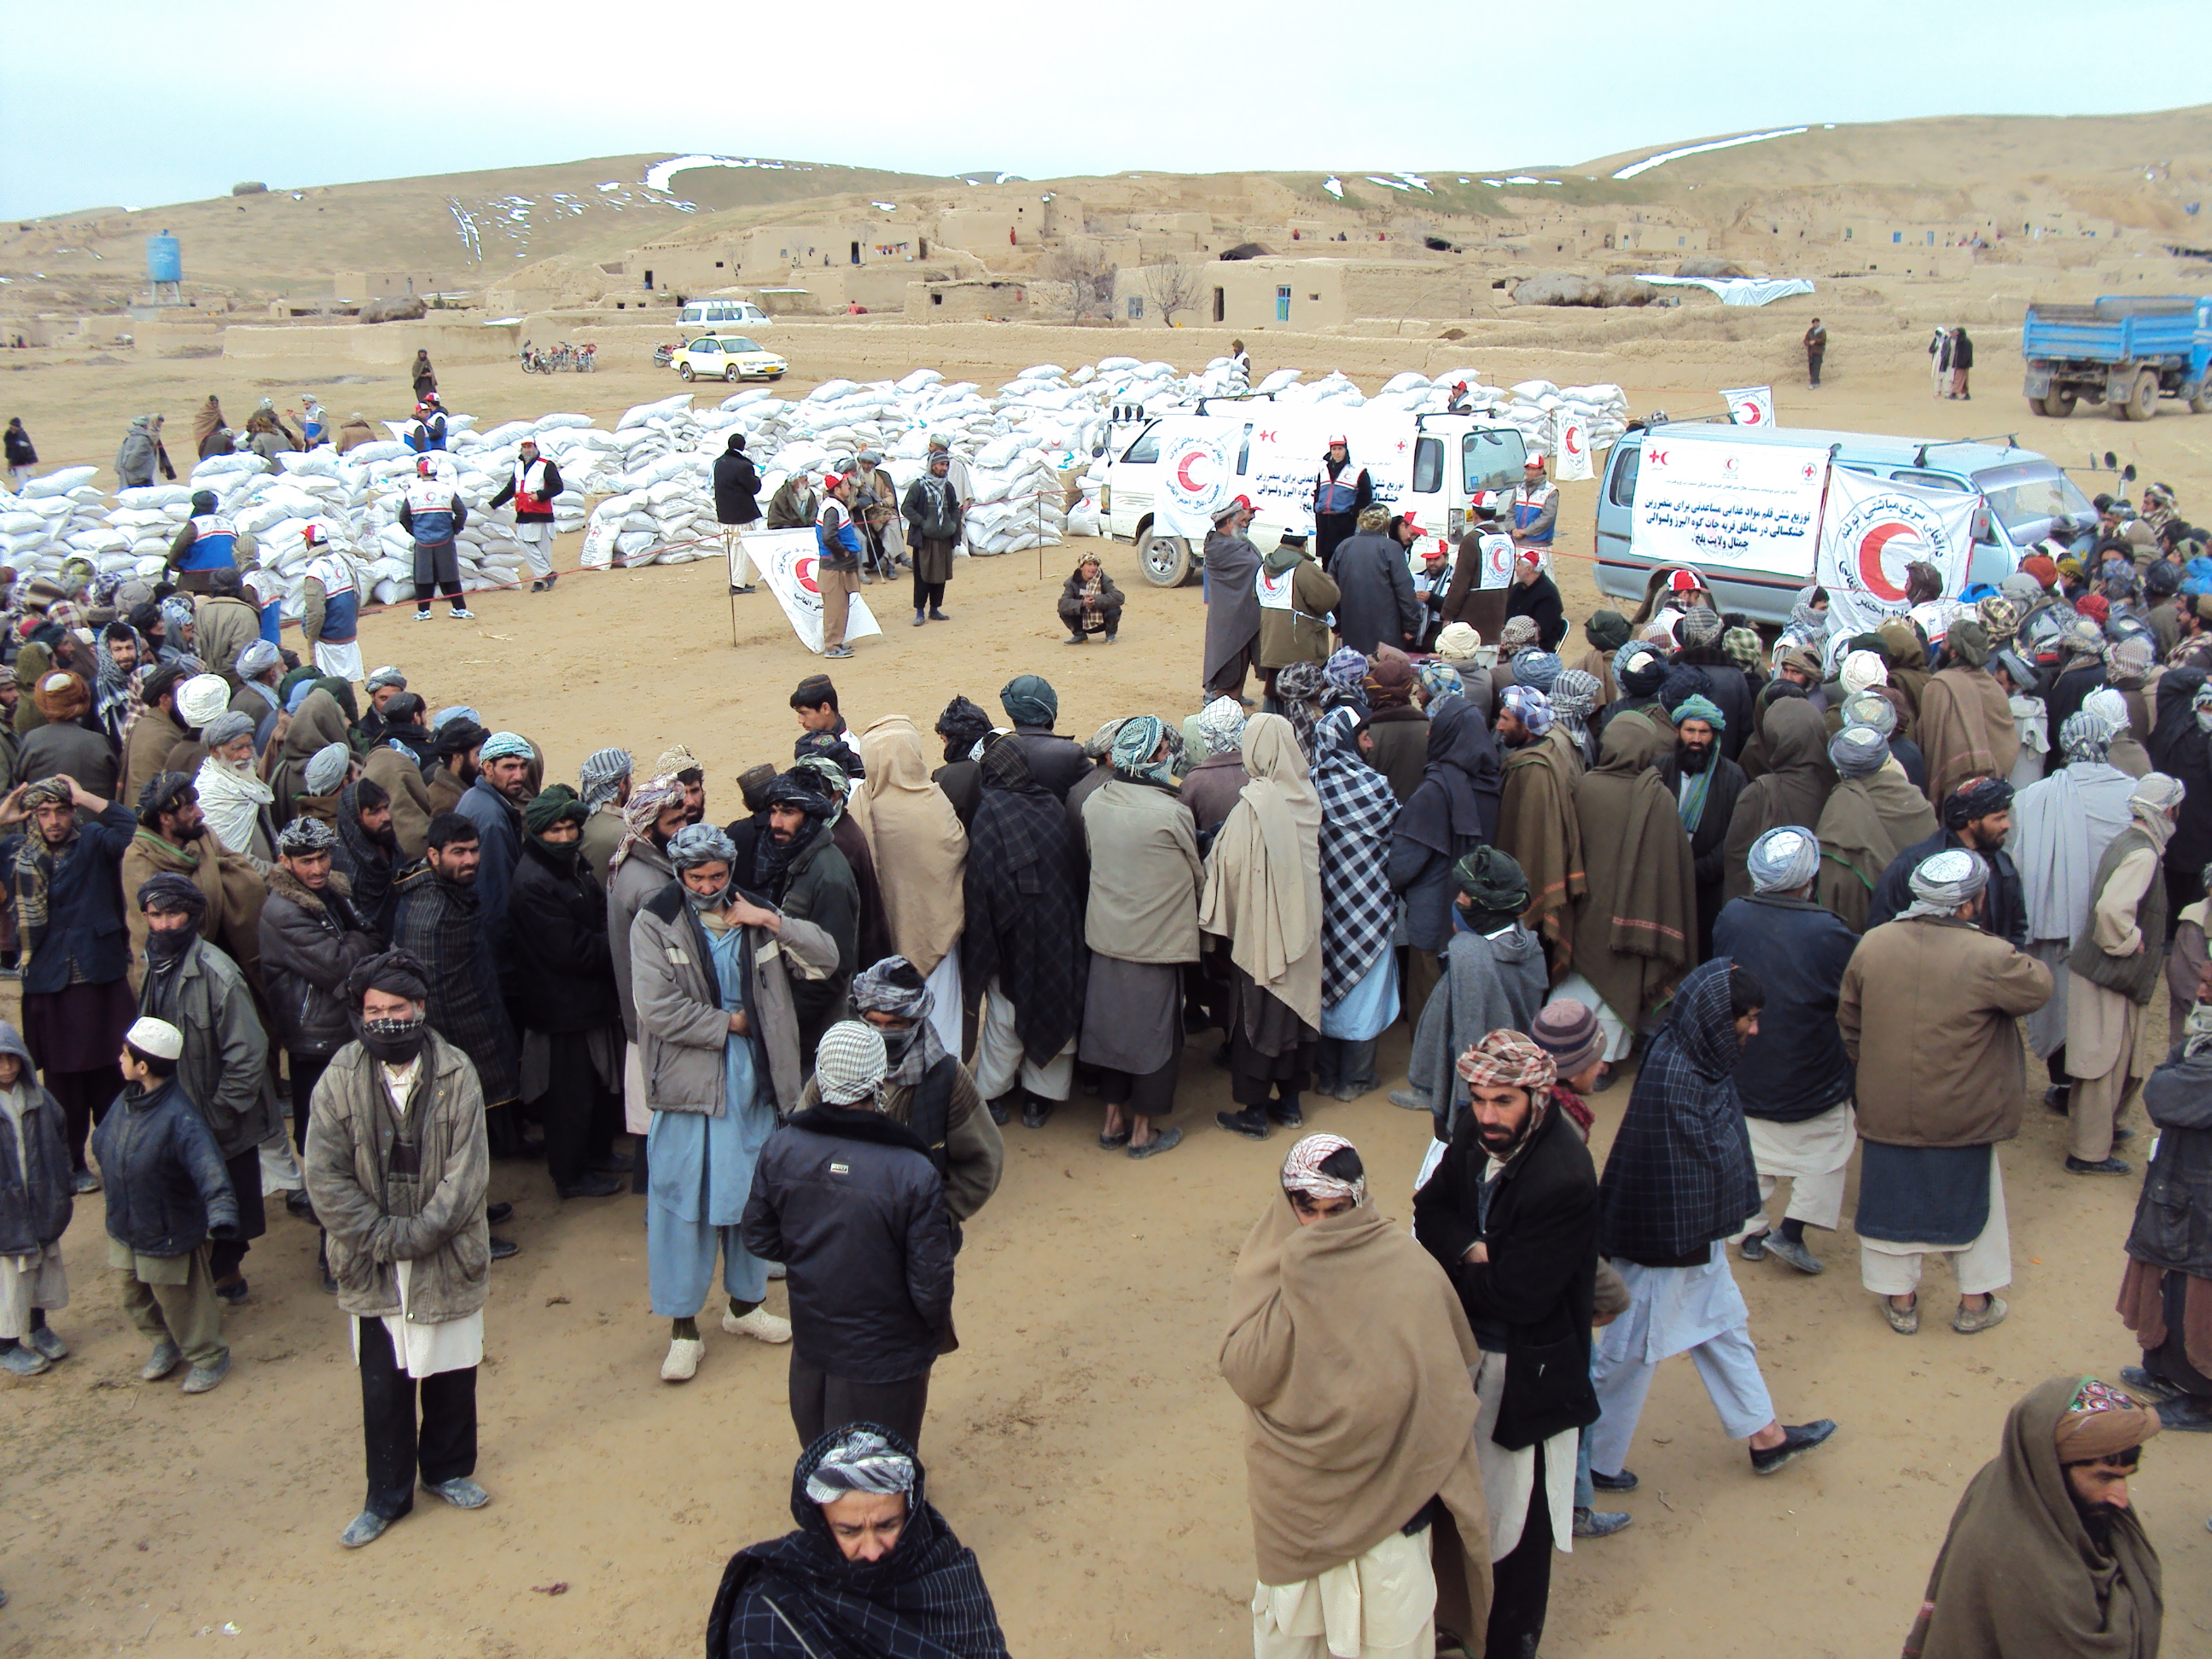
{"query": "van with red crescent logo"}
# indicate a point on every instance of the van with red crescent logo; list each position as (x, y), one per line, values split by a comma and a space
(1745, 505)
(1165, 473)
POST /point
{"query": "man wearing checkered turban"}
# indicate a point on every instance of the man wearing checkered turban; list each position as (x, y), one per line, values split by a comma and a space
(1511, 1215)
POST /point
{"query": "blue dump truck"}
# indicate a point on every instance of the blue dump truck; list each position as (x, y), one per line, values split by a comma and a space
(2125, 352)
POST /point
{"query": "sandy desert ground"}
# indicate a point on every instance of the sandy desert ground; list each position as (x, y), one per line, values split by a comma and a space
(1081, 1440)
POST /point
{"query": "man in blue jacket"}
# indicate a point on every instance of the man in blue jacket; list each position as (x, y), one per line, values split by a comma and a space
(837, 562)
(1795, 1078)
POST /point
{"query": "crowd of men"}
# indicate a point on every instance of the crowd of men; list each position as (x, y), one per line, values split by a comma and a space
(275, 937)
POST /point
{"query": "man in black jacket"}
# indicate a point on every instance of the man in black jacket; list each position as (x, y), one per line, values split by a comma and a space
(1057, 762)
(531, 487)
(850, 1203)
(564, 977)
(1705, 783)
(2170, 1246)
(1795, 1077)
(1375, 606)
(736, 504)
(1536, 595)
(1511, 1214)
(1977, 816)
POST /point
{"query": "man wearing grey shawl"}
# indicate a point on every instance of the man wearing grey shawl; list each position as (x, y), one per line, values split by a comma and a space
(2060, 827)
(1573, 694)
(2113, 971)
(603, 784)
(1940, 1085)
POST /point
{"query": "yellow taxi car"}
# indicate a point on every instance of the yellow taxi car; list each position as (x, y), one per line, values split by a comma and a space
(728, 357)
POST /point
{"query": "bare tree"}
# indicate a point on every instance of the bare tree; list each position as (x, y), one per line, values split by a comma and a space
(1171, 288)
(1089, 276)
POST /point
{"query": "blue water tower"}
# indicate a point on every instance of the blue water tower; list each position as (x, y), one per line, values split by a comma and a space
(165, 268)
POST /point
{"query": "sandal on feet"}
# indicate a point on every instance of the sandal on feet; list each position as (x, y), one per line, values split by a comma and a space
(1113, 1142)
(1166, 1141)
(1905, 1322)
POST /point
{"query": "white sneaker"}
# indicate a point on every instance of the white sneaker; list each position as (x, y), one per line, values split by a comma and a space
(681, 1364)
(776, 1270)
(422, 616)
(760, 1324)
(464, 615)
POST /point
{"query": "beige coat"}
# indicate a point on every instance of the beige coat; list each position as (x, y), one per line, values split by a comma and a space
(1301, 633)
(1944, 1068)
(1146, 875)
(222, 628)
(395, 772)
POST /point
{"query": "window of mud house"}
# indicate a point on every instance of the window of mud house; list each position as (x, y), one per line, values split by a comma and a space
(648, 281)
(1282, 305)
(937, 299)
(1136, 308)
(1220, 306)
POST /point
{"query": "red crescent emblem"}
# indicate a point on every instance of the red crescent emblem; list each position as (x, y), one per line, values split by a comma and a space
(1182, 471)
(1656, 457)
(1870, 550)
(802, 572)
(1574, 441)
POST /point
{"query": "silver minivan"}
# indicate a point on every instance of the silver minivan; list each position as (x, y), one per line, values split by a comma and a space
(2024, 497)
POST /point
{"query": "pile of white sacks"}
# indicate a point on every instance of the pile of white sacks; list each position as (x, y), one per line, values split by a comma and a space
(653, 473)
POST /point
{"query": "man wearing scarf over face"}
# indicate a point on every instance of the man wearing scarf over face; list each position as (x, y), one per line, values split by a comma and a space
(2044, 1554)
(1353, 1360)
(927, 1089)
(1141, 925)
(873, 1567)
(1494, 979)
(798, 868)
(565, 988)
(715, 974)
(1926, 1008)
(1510, 1213)
(1977, 817)
(1706, 784)
(398, 1170)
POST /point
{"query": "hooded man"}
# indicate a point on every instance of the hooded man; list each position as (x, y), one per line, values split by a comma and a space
(737, 505)
(1636, 927)
(1873, 814)
(1376, 605)
(867, 1255)
(1537, 822)
(564, 994)
(1232, 602)
(399, 1172)
(1510, 1213)
(798, 868)
(531, 486)
(173, 839)
(1977, 816)
(1141, 925)
(1358, 969)
(1966, 724)
(75, 963)
(141, 456)
(918, 844)
(1296, 598)
(1342, 492)
(1021, 941)
(1793, 790)
(1494, 979)
(2045, 1555)
(1940, 1086)
(1262, 900)
(1353, 1360)
(1678, 1183)
(2113, 972)
(712, 969)
(1795, 1078)
(1706, 784)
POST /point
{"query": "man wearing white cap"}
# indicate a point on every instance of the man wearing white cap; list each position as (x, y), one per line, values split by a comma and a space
(329, 608)
(1940, 1085)
(850, 1203)
(1535, 505)
(493, 804)
(167, 1194)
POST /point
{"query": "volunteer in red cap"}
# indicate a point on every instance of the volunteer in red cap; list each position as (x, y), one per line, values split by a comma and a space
(1535, 506)
(1536, 595)
(837, 568)
(1341, 491)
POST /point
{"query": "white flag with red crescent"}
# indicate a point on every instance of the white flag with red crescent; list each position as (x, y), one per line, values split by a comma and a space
(1570, 448)
(784, 559)
(1874, 529)
(1751, 405)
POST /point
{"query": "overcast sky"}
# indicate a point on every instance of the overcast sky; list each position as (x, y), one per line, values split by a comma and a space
(119, 101)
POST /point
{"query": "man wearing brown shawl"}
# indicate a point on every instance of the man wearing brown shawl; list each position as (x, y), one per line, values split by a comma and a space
(1537, 822)
(1636, 924)
(1262, 900)
(1966, 724)
(2044, 1556)
(1397, 731)
(173, 839)
(1793, 790)
(1873, 814)
(920, 854)
(1353, 1358)
(1906, 657)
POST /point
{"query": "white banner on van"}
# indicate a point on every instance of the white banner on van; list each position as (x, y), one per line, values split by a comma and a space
(1751, 405)
(784, 559)
(1874, 529)
(1718, 505)
(1570, 448)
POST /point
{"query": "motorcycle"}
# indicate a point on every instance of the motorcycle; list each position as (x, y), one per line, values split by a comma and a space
(663, 355)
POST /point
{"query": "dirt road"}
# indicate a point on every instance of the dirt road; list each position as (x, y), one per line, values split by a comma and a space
(1080, 1441)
